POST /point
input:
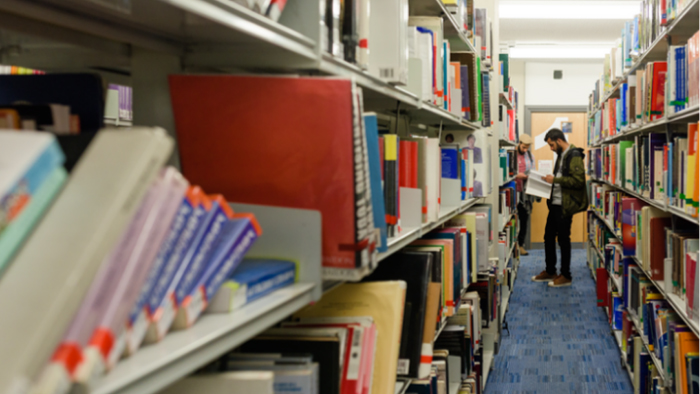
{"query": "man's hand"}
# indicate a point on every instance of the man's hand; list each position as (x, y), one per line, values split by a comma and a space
(521, 176)
(549, 179)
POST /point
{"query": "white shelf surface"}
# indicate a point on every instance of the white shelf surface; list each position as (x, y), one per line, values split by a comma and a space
(443, 324)
(401, 386)
(486, 367)
(686, 116)
(454, 387)
(505, 142)
(181, 352)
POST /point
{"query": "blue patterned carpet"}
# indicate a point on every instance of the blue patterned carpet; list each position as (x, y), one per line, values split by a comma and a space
(559, 342)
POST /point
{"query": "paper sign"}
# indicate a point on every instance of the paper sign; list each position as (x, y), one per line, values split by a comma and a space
(545, 166)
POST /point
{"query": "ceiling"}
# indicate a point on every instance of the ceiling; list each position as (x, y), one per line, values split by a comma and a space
(570, 32)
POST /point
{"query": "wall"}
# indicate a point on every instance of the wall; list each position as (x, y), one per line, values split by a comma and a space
(573, 89)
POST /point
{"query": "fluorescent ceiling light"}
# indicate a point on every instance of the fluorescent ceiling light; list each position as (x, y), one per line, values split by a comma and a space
(568, 9)
(559, 52)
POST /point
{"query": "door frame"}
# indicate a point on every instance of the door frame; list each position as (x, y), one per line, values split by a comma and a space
(529, 110)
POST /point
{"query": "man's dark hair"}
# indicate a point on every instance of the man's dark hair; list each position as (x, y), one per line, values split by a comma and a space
(471, 136)
(555, 134)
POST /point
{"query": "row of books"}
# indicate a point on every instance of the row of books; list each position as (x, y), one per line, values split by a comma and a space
(652, 167)
(159, 268)
(633, 302)
(668, 254)
(17, 70)
(357, 339)
(636, 37)
(656, 90)
(269, 8)
(508, 201)
(453, 81)
(508, 164)
(327, 171)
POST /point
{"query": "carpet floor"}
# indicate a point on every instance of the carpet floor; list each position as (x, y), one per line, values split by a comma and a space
(560, 341)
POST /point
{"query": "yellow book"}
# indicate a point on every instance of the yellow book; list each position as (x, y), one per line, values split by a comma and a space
(690, 166)
(384, 302)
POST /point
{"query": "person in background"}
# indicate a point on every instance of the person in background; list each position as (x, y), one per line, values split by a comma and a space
(525, 164)
(471, 145)
(568, 198)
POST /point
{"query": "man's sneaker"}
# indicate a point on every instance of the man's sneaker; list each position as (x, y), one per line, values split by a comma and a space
(543, 277)
(560, 281)
(523, 252)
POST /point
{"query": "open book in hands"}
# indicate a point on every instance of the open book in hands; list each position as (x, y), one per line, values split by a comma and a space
(536, 186)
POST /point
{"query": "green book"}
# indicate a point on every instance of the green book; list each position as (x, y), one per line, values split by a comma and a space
(503, 57)
(14, 235)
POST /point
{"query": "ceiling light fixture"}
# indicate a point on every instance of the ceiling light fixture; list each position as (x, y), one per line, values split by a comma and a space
(624, 10)
(559, 52)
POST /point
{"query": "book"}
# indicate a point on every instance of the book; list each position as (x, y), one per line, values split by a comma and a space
(536, 186)
(325, 345)
(331, 112)
(30, 158)
(388, 52)
(375, 163)
(99, 199)
(117, 285)
(237, 237)
(12, 237)
(415, 269)
(252, 279)
(236, 382)
(383, 301)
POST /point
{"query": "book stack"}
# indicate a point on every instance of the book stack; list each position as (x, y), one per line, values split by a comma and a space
(159, 272)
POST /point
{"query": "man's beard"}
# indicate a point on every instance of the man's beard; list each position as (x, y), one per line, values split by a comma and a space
(559, 150)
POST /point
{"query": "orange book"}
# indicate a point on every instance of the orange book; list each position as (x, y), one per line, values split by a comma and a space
(458, 78)
(9, 119)
(686, 342)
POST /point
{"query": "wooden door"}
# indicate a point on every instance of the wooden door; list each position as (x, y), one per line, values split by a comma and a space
(540, 123)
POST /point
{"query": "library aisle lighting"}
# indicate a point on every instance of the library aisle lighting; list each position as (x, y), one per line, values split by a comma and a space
(538, 9)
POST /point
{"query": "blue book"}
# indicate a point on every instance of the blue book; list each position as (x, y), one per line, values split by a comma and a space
(445, 74)
(166, 278)
(375, 177)
(450, 161)
(432, 39)
(624, 104)
(176, 228)
(251, 280)
(235, 240)
(463, 175)
(617, 312)
(197, 256)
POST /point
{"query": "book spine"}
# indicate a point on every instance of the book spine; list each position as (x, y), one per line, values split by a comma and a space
(219, 218)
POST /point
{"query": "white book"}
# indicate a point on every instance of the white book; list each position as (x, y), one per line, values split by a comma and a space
(424, 51)
(237, 382)
(435, 25)
(388, 54)
(536, 186)
(363, 32)
(50, 276)
(433, 181)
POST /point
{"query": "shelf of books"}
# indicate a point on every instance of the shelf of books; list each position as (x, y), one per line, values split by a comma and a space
(296, 238)
(645, 39)
(643, 223)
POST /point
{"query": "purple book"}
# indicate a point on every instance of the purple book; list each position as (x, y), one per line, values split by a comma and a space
(464, 85)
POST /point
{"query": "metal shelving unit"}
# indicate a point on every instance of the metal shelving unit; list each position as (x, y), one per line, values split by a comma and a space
(682, 28)
(675, 302)
(655, 203)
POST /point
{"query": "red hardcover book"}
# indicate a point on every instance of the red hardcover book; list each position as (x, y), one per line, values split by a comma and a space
(414, 164)
(276, 141)
(658, 90)
(657, 253)
(601, 284)
(404, 164)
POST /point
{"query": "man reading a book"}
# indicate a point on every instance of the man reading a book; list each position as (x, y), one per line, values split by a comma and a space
(525, 163)
(568, 198)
